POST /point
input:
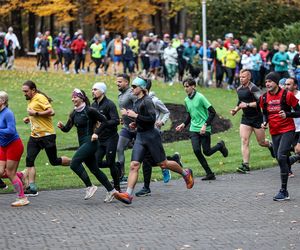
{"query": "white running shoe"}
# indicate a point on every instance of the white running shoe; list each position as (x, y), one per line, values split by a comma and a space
(109, 196)
(20, 202)
(90, 191)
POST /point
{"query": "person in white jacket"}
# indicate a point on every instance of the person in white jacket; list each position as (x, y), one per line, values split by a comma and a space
(170, 57)
(10, 36)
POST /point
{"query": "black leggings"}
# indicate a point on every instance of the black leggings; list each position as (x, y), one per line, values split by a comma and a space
(281, 146)
(203, 141)
(98, 62)
(109, 149)
(86, 154)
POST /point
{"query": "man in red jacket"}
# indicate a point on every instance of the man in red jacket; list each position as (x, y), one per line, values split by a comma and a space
(78, 45)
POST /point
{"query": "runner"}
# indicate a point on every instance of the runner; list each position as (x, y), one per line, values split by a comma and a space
(248, 95)
(291, 85)
(42, 135)
(200, 115)
(276, 105)
(147, 139)
(162, 116)
(125, 99)
(108, 132)
(85, 119)
(11, 150)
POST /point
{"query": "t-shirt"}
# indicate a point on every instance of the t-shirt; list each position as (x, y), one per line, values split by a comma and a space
(8, 132)
(40, 125)
(277, 124)
(118, 48)
(197, 107)
(96, 50)
(250, 93)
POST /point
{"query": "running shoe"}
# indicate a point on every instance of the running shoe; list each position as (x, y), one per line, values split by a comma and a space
(177, 157)
(90, 191)
(3, 185)
(223, 149)
(123, 197)
(209, 177)
(271, 150)
(109, 196)
(189, 180)
(244, 169)
(20, 202)
(166, 175)
(283, 195)
(31, 193)
(143, 192)
(291, 174)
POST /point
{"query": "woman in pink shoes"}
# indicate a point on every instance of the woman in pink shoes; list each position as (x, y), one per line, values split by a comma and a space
(11, 150)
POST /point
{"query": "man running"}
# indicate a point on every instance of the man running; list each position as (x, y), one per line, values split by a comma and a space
(276, 105)
(147, 139)
(248, 95)
(42, 136)
(200, 114)
(291, 84)
(125, 99)
(108, 132)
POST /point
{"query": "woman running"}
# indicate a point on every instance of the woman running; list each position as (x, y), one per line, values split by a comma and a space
(86, 120)
(11, 150)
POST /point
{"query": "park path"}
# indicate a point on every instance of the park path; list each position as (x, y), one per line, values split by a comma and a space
(233, 212)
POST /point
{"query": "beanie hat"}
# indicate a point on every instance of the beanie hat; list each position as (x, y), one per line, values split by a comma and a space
(100, 86)
(273, 76)
(139, 82)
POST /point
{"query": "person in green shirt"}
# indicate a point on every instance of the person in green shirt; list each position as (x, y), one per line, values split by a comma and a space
(96, 49)
(200, 115)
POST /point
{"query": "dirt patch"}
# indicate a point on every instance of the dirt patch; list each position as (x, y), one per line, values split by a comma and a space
(178, 115)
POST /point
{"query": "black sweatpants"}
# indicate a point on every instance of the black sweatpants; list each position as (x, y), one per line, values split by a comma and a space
(203, 141)
(108, 149)
(281, 146)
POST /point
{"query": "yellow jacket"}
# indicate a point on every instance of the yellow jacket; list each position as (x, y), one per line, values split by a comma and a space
(230, 59)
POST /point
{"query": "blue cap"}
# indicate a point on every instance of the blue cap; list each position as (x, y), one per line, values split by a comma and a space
(139, 82)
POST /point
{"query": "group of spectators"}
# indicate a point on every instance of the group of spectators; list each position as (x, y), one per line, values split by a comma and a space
(170, 58)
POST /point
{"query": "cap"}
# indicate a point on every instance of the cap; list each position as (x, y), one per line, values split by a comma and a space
(100, 86)
(273, 76)
(292, 46)
(151, 34)
(139, 82)
(282, 81)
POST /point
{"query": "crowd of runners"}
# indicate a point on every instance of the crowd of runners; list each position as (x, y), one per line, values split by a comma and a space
(168, 57)
(143, 114)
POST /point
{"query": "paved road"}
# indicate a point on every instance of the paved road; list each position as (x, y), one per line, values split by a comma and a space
(233, 212)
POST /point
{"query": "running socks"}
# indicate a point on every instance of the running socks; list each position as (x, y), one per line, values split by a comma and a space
(18, 187)
(129, 190)
(32, 186)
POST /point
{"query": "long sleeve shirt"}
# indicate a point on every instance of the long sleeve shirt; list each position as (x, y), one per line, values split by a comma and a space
(8, 132)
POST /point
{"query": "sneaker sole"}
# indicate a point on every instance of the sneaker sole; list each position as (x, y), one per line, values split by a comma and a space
(242, 171)
(143, 195)
(285, 199)
(20, 205)
(32, 195)
(110, 200)
(126, 201)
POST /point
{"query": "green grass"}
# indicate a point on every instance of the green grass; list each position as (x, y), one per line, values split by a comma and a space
(59, 87)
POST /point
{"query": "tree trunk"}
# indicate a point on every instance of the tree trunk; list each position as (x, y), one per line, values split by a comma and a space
(52, 25)
(42, 24)
(165, 19)
(16, 21)
(31, 31)
(182, 21)
(71, 29)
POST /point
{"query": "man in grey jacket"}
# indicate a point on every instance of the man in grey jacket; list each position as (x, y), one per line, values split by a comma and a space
(126, 135)
(154, 49)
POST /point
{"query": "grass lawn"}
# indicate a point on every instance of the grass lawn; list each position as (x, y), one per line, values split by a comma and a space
(59, 87)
